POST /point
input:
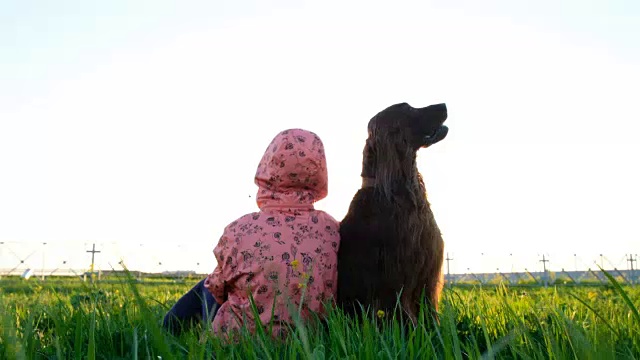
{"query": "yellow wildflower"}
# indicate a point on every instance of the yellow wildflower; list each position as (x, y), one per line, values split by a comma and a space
(380, 314)
(295, 263)
(300, 285)
(305, 276)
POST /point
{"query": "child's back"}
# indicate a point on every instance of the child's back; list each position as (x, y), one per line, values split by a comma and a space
(287, 249)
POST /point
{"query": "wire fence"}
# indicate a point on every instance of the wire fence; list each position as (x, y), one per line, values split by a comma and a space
(541, 268)
(78, 258)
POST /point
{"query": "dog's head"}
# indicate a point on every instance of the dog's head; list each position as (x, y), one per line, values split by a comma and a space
(395, 135)
(415, 127)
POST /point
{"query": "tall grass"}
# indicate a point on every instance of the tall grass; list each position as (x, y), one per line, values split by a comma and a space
(73, 320)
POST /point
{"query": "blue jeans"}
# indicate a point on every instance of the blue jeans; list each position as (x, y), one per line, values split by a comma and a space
(194, 306)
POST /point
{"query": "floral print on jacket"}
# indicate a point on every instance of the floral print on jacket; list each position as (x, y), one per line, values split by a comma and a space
(285, 254)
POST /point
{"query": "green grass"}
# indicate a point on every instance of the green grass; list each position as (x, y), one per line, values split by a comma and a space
(69, 319)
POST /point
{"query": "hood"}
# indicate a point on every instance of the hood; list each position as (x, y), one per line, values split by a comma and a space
(293, 171)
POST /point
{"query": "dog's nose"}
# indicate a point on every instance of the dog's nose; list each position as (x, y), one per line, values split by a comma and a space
(437, 110)
(438, 107)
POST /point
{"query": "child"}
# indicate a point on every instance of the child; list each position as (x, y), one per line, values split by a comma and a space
(285, 255)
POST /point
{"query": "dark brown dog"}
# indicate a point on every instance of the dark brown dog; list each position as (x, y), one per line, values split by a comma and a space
(391, 247)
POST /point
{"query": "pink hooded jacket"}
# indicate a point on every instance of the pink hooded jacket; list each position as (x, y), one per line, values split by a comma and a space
(287, 250)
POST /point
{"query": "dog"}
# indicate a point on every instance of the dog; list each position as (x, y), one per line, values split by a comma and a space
(391, 249)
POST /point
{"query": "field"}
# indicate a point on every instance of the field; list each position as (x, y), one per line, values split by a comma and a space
(119, 319)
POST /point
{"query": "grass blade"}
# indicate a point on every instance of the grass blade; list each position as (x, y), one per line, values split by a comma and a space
(91, 352)
(623, 294)
(77, 344)
(604, 320)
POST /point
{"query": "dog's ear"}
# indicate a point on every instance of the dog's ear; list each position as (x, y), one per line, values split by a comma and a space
(369, 159)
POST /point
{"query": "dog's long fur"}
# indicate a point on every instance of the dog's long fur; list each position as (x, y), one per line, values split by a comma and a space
(391, 247)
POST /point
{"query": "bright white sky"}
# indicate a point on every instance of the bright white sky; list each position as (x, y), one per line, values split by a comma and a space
(138, 124)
